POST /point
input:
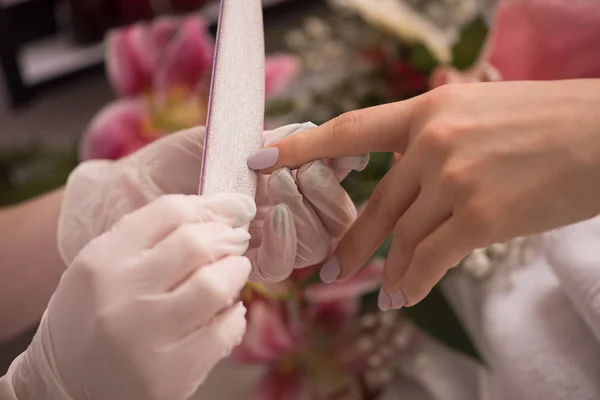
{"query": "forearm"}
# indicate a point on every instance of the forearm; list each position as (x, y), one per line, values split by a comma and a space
(30, 264)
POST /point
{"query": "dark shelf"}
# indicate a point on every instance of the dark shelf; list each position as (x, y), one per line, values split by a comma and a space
(30, 25)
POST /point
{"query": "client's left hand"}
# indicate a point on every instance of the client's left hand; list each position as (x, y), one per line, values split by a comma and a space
(299, 213)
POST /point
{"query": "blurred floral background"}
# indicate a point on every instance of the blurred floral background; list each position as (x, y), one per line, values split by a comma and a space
(314, 342)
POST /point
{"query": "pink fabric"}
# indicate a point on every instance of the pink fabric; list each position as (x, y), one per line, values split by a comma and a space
(536, 40)
(546, 39)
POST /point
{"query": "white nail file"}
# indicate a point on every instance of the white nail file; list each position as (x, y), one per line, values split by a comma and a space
(237, 100)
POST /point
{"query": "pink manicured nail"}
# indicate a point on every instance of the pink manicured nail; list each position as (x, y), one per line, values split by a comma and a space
(383, 301)
(398, 300)
(263, 159)
(330, 270)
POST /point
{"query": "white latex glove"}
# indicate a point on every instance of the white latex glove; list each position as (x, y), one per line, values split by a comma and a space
(145, 310)
(299, 214)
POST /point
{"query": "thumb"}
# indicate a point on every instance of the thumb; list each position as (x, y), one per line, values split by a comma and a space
(381, 128)
(171, 165)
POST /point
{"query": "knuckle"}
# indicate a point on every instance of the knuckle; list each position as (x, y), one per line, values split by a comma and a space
(437, 137)
(377, 203)
(442, 95)
(90, 261)
(212, 287)
(480, 217)
(190, 241)
(347, 122)
(173, 207)
(455, 177)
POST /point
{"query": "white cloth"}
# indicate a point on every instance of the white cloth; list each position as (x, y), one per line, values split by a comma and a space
(538, 324)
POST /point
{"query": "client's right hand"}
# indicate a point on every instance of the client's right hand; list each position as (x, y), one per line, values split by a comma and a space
(145, 310)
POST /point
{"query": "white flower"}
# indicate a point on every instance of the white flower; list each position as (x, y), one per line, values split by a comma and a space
(435, 23)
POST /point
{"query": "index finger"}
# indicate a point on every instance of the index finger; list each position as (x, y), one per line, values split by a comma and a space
(376, 129)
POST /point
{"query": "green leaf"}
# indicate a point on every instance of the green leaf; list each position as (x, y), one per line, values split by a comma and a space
(466, 51)
(435, 316)
(275, 108)
(421, 59)
(55, 171)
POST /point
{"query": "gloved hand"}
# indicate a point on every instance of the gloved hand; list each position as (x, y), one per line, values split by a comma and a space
(145, 310)
(299, 214)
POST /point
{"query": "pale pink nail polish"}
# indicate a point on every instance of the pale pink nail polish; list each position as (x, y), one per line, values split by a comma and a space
(330, 270)
(383, 301)
(263, 159)
(398, 300)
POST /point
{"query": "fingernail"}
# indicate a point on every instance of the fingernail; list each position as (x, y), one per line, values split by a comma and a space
(383, 301)
(263, 159)
(398, 300)
(330, 270)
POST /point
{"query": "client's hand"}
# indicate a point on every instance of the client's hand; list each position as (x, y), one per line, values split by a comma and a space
(299, 214)
(145, 310)
(482, 163)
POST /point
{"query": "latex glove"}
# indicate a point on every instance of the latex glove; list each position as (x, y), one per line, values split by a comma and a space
(145, 310)
(299, 215)
(481, 163)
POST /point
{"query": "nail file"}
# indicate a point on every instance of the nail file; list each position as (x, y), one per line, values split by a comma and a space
(237, 100)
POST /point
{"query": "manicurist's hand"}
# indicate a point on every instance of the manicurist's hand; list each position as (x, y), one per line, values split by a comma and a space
(481, 163)
(299, 215)
(146, 309)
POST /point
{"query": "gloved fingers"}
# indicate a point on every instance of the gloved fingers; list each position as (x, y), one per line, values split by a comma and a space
(332, 204)
(208, 291)
(143, 228)
(343, 166)
(274, 259)
(170, 165)
(313, 241)
(275, 135)
(213, 342)
(187, 249)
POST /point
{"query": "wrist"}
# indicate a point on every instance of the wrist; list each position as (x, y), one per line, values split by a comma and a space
(33, 373)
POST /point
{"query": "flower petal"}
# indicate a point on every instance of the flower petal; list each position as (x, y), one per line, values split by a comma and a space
(187, 60)
(267, 335)
(163, 30)
(282, 386)
(130, 58)
(117, 130)
(333, 316)
(280, 70)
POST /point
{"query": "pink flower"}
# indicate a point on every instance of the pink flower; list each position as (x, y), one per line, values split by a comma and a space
(282, 385)
(167, 54)
(268, 334)
(537, 40)
(164, 69)
(280, 69)
(281, 334)
(406, 79)
(119, 129)
(187, 60)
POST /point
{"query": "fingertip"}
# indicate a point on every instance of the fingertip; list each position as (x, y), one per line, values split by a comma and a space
(264, 159)
(331, 270)
(352, 163)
